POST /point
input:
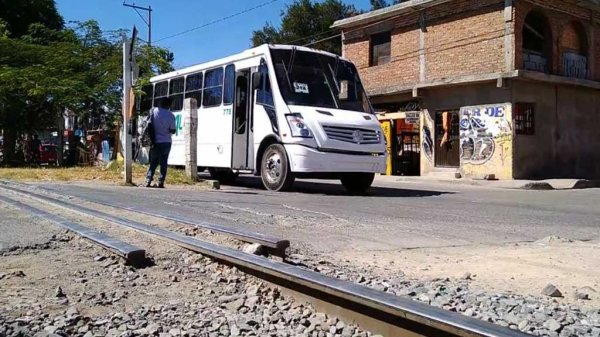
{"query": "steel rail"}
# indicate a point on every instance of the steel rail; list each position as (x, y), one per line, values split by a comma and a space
(399, 316)
(132, 254)
(276, 245)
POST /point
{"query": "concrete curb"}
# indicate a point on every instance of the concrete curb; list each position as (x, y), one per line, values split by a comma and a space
(537, 186)
(212, 184)
(541, 185)
(578, 184)
(582, 183)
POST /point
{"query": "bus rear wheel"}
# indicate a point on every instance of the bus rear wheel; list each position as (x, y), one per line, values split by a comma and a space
(275, 169)
(357, 182)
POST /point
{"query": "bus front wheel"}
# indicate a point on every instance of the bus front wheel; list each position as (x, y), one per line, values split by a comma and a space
(357, 182)
(275, 169)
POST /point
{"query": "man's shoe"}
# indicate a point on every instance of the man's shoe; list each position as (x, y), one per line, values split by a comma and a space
(161, 185)
(148, 183)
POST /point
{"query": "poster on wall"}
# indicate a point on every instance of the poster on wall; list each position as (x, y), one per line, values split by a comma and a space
(412, 117)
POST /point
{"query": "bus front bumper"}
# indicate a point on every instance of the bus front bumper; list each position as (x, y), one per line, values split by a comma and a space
(307, 159)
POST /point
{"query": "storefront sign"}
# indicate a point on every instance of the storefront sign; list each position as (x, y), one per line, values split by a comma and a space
(412, 117)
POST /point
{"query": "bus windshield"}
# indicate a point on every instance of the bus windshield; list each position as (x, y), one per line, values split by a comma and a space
(313, 79)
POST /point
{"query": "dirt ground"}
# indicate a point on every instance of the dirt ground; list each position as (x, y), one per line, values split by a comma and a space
(523, 268)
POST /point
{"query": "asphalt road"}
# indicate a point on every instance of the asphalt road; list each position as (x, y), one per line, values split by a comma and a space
(394, 216)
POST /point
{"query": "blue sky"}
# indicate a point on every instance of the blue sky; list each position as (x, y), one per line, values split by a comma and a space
(173, 16)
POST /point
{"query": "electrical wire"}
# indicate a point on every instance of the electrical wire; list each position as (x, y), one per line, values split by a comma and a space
(321, 40)
(218, 20)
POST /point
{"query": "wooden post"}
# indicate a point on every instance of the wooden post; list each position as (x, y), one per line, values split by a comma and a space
(60, 132)
(190, 127)
(126, 136)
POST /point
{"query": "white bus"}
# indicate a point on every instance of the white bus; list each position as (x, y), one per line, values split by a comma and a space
(280, 112)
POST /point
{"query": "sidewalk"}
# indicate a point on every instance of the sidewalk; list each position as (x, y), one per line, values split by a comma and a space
(549, 184)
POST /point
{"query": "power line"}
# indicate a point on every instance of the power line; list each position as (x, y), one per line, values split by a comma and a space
(141, 16)
(218, 20)
(308, 37)
(321, 40)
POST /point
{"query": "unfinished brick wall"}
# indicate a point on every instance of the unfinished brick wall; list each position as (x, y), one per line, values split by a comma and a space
(403, 68)
(466, 37)
(568, 22)
(571, 38)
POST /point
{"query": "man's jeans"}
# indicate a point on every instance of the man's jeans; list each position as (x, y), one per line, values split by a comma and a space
(159, 154)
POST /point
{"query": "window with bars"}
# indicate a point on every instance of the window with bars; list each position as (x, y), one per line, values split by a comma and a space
(524, 118)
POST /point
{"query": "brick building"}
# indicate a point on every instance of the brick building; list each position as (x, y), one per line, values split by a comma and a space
(503, 87)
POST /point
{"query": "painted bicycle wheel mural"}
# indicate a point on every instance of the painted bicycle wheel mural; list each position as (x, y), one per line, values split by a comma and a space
(480, 127)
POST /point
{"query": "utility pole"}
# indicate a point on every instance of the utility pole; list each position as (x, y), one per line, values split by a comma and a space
(126, 137)
(147, 21)
(130, 74)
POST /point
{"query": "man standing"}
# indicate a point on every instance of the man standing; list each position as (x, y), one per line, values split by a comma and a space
(164, 126)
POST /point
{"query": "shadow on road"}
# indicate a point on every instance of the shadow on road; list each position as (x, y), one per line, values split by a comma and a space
(333, 188)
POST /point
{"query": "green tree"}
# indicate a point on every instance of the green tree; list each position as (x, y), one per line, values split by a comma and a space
(20, 14)
(305, 22)
(21, 73)
(378, 4)
(45, 71)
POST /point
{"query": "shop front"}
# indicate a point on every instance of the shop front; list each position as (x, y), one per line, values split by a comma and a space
(401, 131)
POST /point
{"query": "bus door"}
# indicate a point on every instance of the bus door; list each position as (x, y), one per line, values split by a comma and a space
(242, 115)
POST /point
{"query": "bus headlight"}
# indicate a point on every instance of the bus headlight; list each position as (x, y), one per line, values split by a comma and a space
(297, 126)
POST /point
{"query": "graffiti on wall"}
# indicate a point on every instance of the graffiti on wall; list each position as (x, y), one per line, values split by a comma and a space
(427, 143)
(484, 130)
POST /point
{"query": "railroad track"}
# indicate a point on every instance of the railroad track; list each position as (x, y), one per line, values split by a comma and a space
(373, 310)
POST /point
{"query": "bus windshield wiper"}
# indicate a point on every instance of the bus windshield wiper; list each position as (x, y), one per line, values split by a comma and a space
(292, 57)
(333, 75)
(334, 71)
(337, 63)
(287, 76)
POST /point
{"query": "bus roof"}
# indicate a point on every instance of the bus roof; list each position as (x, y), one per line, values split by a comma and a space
(248, 53)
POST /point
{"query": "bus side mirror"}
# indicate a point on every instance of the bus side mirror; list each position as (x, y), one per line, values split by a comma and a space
(343, 95)
(255, 81)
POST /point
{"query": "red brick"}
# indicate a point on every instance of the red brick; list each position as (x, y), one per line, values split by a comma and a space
(466, 37)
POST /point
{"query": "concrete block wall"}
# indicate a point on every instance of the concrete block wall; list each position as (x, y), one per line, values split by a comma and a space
(566, 135)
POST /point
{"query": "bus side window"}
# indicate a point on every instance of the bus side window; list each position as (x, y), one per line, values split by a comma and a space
(213, 87)
(229, 85)
(160, 90)
(193, 87)
(176, 94)
(264, 93)
(146, 99)
(241, 104)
